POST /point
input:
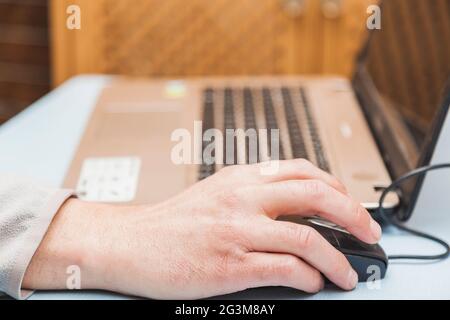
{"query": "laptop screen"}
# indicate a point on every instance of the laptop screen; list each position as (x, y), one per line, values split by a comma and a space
(408, 61)
(402, 82)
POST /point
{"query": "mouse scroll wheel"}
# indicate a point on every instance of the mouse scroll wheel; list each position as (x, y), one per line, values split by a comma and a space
(327, 224)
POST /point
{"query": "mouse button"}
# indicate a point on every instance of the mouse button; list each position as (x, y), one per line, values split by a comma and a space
(350, 242)
(327, 233)
(334, 240)
(330, 236)
(325, 223)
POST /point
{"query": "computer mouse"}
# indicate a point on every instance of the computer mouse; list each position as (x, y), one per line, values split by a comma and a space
(368, 260)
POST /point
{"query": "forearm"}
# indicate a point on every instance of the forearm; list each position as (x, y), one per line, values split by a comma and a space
(97, 240)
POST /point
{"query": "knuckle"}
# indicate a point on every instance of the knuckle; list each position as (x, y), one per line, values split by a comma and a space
(306, 236)
(361, 216)
(232, 238)
(229, 198)
(340, 183)
(315, 283)
(280, 270)
(336, 181)
(287, 267)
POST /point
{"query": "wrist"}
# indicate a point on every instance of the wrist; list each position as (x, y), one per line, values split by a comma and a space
(73, 250)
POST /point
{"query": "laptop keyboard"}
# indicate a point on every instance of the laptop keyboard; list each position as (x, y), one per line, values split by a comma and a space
(295, 132)
(286, 109)
(271, 120)
(229, 122)
(250, 122)
(321, 160)
(208, 123)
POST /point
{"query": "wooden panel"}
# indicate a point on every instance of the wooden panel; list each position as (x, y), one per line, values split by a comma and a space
(14, 97)
(18, 53)
(24, 35)
(24, 54)
(23, 93)
(8, 109)
(204, 37)
(34, 14)
(24, 73)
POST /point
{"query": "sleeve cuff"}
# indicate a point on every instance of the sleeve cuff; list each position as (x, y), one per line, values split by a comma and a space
(32, 240)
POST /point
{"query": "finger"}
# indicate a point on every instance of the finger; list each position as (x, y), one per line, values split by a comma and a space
(307, 244)
(271, 269)
(313, 197)
(301, 169)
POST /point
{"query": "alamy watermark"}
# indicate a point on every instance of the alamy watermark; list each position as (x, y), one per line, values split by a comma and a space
(234, 146)
(73, 21)
(374, 20)
(73, 281)
(374, 279)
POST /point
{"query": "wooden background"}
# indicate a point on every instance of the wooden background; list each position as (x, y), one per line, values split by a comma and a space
(206, 37)
(24, 54)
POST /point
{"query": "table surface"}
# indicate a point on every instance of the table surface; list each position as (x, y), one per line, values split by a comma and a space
(41, 141)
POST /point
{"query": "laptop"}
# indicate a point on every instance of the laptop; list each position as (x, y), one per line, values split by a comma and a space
(365, 131)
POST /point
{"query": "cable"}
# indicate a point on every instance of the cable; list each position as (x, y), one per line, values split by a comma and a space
(391, 220)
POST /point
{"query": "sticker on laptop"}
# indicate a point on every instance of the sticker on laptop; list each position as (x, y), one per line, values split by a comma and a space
(113, 179)
(175, 89)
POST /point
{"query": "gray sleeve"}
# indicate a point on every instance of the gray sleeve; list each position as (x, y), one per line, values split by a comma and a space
(26, 211)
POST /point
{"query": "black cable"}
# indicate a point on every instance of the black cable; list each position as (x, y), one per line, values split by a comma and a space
(393, 221)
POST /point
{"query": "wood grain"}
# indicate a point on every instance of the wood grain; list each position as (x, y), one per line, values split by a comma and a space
(202, 37)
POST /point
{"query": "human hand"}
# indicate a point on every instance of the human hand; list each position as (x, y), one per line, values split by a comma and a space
(217, 237)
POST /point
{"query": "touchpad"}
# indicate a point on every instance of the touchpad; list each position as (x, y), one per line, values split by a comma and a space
(138, 127)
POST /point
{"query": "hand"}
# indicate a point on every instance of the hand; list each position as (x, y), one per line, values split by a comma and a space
(217, 237)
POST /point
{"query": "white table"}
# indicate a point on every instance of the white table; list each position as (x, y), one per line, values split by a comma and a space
(41, 141)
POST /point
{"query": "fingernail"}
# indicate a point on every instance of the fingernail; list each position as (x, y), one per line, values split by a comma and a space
(376, 229)
(352, 279)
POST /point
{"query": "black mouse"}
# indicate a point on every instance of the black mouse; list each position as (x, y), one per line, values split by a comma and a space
(368, 260)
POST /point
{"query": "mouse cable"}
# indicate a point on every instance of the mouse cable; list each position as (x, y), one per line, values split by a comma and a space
(393, 221)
